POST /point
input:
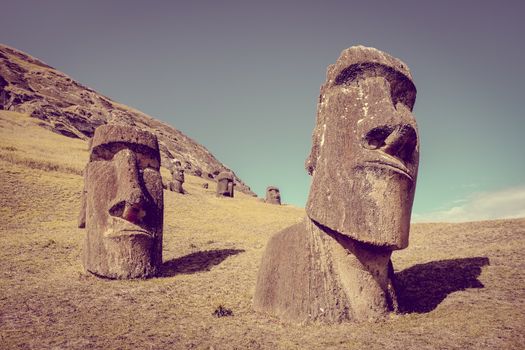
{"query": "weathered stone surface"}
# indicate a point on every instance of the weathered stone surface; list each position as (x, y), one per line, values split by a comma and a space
(335, 266)
(82, 214)
(225, 184)
(29, 86)
(273, 195)
(365, 151)
(205, 185)
(310, 273)
(176, 186)
(123, 204)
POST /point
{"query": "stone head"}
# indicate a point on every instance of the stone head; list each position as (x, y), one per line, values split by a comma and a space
(178, 174)
(124, 204)
(225, 184)
(273, 195)
(365, 149)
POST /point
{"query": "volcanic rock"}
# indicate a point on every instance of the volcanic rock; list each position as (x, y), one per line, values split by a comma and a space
(29, 86)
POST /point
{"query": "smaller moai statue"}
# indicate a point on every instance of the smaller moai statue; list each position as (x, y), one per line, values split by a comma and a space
(225, 184)
(177, 174)
(273, 195)
(123, 206)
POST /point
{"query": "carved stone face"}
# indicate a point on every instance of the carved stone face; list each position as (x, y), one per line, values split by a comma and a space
(124, 204)
(365, 150)
(225, 184)
(178, 175)
(273, 195)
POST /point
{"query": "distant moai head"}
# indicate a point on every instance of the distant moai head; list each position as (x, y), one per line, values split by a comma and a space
(365, 149)
(273, 195)
(225, 184)
(178, 174)
(124, 204)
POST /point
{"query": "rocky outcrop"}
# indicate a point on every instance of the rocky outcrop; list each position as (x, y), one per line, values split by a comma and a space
(32, 87)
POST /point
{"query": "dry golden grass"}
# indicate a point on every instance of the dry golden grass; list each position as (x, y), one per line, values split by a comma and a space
(462, 285)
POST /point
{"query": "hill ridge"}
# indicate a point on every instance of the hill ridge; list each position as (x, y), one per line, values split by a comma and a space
(33, 87)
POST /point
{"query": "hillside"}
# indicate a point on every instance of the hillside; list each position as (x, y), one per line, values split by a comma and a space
(463, 285)
(29, 86)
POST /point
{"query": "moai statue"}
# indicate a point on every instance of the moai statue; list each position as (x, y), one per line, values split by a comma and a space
(273, 195)
(225, 184)
(335, 265)
(123, 204)
(177, 174)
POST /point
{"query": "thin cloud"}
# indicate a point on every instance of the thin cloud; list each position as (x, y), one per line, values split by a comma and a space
(503, 204)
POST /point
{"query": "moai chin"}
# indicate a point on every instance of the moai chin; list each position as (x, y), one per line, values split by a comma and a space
(177, 174)
(123, 204)
(335, 265)
(273, 195)
(225, 184)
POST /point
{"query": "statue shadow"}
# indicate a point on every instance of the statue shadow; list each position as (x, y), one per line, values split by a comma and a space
(421, 288)
(196, 262)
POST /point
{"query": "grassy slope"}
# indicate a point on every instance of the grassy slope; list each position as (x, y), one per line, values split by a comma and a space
(463, 285)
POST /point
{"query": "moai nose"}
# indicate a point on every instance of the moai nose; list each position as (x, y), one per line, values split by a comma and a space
(401, 142)
(129, 203)
(398, 141)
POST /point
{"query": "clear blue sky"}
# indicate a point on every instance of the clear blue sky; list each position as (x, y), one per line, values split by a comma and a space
(243, 77)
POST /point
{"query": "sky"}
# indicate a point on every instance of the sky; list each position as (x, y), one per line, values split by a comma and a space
(242, 78)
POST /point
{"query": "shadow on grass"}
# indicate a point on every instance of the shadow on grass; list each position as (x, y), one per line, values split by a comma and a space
(421, 288)
(197, 262)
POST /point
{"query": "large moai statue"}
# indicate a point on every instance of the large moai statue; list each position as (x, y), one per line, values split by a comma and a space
(123, 204)
(177, 175)
(273, 195)
(335, 265)
(225, 184)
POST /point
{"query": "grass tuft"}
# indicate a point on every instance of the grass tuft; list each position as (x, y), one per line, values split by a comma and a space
(221, 311)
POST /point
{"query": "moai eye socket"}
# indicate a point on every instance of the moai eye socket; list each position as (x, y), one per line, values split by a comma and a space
(376, 137)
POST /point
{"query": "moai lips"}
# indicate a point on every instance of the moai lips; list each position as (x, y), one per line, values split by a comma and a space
(365, 150)
(273, 195)
(124, 204)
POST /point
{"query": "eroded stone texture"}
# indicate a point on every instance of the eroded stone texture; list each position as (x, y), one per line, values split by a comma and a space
(335, 265)
(82, 214)
(225, 184)
(273, 195)
(124, 204)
